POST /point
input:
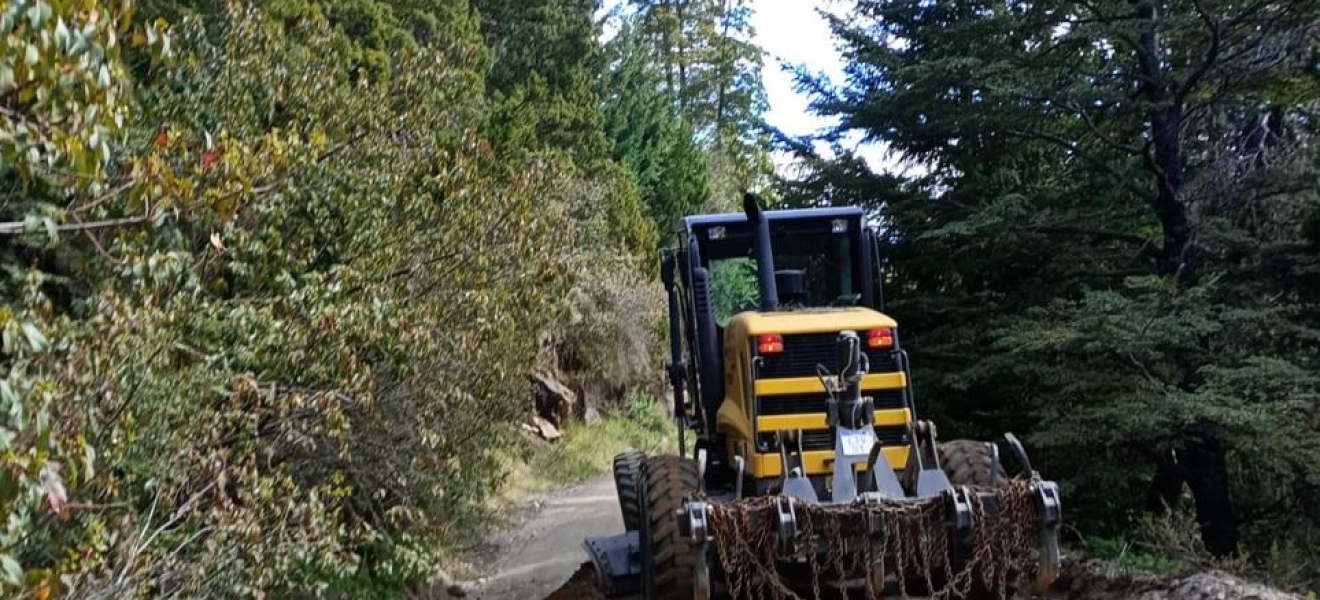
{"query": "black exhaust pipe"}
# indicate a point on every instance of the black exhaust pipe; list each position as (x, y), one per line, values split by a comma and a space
(765, 261)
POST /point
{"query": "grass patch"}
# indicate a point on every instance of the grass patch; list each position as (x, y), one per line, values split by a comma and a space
(588, 450)
(1128, 555)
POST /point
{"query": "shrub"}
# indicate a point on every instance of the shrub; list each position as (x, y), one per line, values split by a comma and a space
(298, 362)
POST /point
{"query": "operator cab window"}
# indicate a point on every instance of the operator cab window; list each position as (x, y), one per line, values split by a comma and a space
(825, 258)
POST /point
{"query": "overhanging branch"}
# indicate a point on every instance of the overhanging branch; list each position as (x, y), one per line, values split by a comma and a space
(20, 228)
(1080, 152)
(1211, 54)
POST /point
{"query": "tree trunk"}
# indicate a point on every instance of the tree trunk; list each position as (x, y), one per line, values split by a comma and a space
(723, 79)
(1177, 257)
(1166, 486)
(1205, 465)
(1201, 461)
(682, 58)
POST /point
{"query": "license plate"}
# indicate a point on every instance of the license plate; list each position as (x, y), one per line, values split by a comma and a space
(857, 441)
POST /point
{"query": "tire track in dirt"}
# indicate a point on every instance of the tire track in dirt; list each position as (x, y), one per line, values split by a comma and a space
(542, 548)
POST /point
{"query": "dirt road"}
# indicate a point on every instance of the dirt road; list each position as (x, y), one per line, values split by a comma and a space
(542, 547)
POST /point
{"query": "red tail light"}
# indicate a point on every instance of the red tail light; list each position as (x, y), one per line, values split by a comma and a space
(772, 343)
(880, 338)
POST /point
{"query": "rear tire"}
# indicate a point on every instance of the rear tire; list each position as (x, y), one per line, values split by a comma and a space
(627, 473)
(969, 462)
(667, 558)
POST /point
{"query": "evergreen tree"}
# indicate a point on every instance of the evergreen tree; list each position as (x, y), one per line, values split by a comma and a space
(650, 136)
(712, 71)
(545, 75)
(1098, 251)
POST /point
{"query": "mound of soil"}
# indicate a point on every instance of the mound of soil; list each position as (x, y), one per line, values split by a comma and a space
(581, 586)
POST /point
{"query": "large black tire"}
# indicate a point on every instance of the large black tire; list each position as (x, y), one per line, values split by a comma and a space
(627, 473)
(667, 559)
(969, 462)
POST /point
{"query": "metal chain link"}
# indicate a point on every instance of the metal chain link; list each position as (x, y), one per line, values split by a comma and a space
(914, 546)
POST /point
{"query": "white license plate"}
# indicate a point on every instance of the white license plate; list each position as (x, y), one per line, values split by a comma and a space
(857, 441)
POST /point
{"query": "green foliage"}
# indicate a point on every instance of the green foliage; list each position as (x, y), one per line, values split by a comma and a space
(711, 73)
(301, 366)
(1122, 553)
(734, 287)
(543, 77)
(607, 340)
(1105, 252)
(639, 423)
(64, 94)
(650, 136)
(274, 276)
(64, 87)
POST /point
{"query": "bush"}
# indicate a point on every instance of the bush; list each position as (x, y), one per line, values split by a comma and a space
(608, 340)
(299, 363)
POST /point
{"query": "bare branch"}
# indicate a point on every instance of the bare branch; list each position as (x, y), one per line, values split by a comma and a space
(1105, 234)
(1211, 54)
(1095, 129)
(19, 228)
(103, 198)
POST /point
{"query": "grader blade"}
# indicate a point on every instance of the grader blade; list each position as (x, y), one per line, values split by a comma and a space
(614, 562)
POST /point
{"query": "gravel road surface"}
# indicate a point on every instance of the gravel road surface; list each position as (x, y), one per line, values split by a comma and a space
(542, 547)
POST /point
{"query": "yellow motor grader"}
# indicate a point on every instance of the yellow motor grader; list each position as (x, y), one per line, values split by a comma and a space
(810, 475)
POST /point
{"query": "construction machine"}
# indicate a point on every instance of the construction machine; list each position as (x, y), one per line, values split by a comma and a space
(810, 474)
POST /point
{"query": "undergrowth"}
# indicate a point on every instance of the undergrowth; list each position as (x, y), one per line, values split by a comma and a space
(1128, 554)
(641, 423)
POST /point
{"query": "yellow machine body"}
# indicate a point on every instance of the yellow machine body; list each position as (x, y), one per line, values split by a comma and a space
(758, 404)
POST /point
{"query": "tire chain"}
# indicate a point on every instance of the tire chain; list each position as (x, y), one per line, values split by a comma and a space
(914, 546)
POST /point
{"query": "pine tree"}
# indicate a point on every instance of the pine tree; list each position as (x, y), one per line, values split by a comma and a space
(650, 136)
(544, 76)
(712, 70)
(1109, 225)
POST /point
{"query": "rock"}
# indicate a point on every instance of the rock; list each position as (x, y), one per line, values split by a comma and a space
(555, 402)
(1097, 580)
(440, 585)
(1214, 585)
(546, 429)
(592, 416)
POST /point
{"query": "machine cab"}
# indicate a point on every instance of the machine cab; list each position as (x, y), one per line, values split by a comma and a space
(755, 309)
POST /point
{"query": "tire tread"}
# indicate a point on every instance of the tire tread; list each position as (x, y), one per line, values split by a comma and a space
(969, 462)
(668, 558)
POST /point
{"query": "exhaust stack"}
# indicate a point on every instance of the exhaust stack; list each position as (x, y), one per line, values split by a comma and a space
(765, 262)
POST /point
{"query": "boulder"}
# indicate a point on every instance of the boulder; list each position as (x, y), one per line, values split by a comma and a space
(554, 401)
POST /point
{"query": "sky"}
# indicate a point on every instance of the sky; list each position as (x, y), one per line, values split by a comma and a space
(793, 32)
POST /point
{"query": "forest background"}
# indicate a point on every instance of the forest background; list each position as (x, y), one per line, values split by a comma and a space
(275, 274)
